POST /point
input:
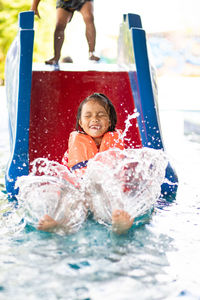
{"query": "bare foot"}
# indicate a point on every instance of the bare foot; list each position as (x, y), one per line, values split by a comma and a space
(121, 221)
(52, 61)
(93, 57)
(47, 223)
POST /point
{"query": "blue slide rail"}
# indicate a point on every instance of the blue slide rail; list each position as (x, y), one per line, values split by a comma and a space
(144, 89)
(18, 78)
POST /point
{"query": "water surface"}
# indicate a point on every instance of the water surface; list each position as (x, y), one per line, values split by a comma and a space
(158, 260)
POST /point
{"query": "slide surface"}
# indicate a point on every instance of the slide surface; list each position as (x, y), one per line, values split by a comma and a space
(55, 99)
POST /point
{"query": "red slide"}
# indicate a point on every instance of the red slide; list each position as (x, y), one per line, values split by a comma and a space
(55, 97)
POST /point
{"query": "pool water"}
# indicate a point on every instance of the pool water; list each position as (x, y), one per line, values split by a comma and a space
(158, 260)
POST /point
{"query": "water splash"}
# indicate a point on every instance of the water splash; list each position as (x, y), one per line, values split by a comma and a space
(11, 219)
(128, 123)
(129, 180)
(49, 190)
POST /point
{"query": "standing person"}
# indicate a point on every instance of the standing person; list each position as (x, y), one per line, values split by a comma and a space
(95, 132)
(64, 13)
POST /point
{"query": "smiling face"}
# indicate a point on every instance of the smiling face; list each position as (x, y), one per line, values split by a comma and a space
(94, 120)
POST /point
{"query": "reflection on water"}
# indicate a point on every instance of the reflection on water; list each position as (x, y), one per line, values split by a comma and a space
(158, 260)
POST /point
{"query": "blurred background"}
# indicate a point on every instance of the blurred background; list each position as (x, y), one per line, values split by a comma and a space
(172, 27)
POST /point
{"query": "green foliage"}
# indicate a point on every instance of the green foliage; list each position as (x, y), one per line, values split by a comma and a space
(44, 28)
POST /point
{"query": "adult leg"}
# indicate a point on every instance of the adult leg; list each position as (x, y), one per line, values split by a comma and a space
(62, 18)
(88, 17)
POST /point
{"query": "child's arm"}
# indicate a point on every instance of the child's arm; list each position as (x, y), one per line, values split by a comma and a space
(34, 7)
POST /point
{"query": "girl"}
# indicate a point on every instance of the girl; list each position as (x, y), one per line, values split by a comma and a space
(95, 132)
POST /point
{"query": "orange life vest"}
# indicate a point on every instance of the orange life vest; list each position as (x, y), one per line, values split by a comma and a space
(82, 147)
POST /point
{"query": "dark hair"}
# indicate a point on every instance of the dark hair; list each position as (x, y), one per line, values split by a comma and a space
(106, 103)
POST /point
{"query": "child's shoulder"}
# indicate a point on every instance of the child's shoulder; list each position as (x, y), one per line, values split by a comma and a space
(76, 133)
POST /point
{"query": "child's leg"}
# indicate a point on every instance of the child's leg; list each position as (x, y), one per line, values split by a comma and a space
(109, 210)
(68, 216)
(121, 221)
(67, 224)
(47, 223)
(62, 18)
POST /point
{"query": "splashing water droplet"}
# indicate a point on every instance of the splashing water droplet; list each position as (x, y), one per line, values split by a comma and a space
(128, 123)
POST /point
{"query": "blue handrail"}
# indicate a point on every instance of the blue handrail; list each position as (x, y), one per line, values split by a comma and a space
(18, 78)
(143, 84)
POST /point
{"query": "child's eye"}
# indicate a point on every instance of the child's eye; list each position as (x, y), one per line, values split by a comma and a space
(102, 115)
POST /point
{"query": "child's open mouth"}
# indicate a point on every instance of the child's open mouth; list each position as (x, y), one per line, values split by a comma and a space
(95, 127)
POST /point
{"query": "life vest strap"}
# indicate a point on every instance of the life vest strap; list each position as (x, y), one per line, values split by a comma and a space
(80, 165)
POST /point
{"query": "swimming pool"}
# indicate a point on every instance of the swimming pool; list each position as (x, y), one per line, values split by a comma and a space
(159, 260)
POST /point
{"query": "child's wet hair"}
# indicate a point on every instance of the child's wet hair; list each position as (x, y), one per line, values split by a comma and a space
(106, 103)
